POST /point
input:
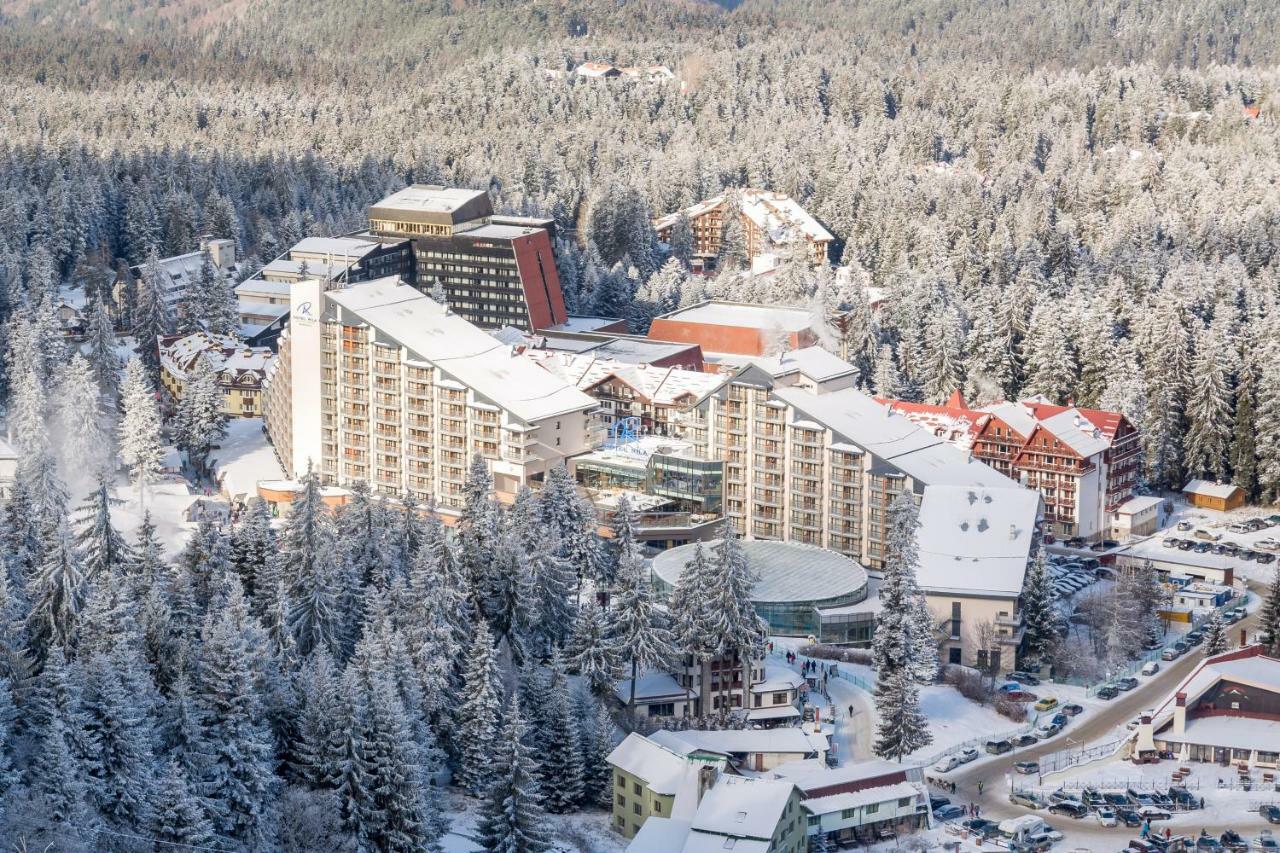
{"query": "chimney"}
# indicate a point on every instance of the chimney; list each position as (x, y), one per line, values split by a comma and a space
(1180, 715)
(706, 779)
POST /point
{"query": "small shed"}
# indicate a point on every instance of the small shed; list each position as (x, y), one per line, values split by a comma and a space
(1210, 495)
(1138, 516)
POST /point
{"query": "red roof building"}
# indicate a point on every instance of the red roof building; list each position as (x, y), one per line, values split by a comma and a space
(1084, 462)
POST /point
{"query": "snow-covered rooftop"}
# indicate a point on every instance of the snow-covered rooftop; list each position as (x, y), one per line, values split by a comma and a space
(857, 799)
(746, 315)
(661, 385)
(659, 767)
(660, 835)
(778, 215)
(784, 571)
(253, 287)
(1138, 503)
(1247, 667)
(576, 323)
(975, 539)
(224, 354)
(1210, 489)
(654, 684)
(335, 247)
(430, 199)
(742, 808)
(1077, 432)
(813, 362)
(741, 741)
(469, 355)
(778, 678)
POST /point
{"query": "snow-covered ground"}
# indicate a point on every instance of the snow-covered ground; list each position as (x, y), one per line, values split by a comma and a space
(585, 832)
(167, 502)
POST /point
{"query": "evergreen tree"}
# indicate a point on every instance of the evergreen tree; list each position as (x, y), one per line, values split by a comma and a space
(733, 239)
(478, 713)
(1208, 414)
(512, 819)
(1038, 612)
(637, 627)
(1244, 446)
(151, 316)
(593, 653)
(597, 787)
(311, 571)
(140, 445)
(572, 520)
(103, 360)
(559, 737)
(178, 816)
(1215, 635)
(84, 446)
(394, 817)
(904, 637)
(1269, 618)
(238, 780)
(905, 728)
(119, 727)
(253, 545)
(56, 593)
(200, 419)
(102, 548)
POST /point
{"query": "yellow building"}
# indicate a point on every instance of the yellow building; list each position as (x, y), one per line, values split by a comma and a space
(239, 369)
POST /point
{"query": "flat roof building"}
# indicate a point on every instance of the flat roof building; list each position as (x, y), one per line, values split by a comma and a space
(495, 270)
(380, 383)
(737, 328)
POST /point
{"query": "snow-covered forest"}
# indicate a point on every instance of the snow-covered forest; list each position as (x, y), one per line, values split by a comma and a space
(1068, 198)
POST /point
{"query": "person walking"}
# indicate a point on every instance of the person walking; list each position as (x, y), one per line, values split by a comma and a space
(850, 710)
(979, 787)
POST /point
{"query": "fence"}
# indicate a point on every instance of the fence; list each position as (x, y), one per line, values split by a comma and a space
(1064, 759)
(1136, 664)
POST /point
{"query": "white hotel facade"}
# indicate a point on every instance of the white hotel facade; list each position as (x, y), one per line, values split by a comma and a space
(377, 382)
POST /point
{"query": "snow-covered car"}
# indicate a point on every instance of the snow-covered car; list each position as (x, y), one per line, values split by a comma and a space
(968, 754)
(1027, 768)
(948, 763)
(1150, 668)
(1106, 817)
(1153, 813)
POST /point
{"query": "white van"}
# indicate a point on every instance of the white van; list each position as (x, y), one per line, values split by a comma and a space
(1017, 828)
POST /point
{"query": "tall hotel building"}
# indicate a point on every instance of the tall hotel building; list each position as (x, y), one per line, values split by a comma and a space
(495, 270)
(378, 382)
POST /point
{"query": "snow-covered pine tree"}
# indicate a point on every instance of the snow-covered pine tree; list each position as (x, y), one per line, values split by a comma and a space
(512, 818)
(597, 743)
(1215, 635)
(680, 243)
(103, 360)
(102, 548)
(637, 627)
(200, 418)
(319, 686)
(55, 774)
(593, 653)
(1050, 365)
(311, 571)
(56, 593)
(1244, 442)
(478, 713)
(177, 815)
(140, 443)
(238, 780)
(478, 530)
(8, 714)
(150, 316)
(1208, 413)
(918, 643)
(733, 239)
(565, 511)
(181, 731)
(560, 760)
(253, 545)
(83, 447)
(119, 727)
(1038, 612)
(902, 727)
(1269, 618)
(394, 817)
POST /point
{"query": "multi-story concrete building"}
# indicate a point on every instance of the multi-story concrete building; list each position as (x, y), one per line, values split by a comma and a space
(726, 329)
(772, 223)
(239, 369)
(1084, 462)
(495, 270)
(382, 384)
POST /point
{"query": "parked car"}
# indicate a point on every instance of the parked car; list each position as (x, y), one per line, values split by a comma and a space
(1107, 693)
(1061, 796)
(1071, 709)
(1038, 843)
(1076, 542)
(1044, 731)
(1266, 559)
(1024, 678)
(982, 827)
(1152, 643)
(1150, 668)
(1271, 814)
(1091, 797)
(1069, 810)
(1194, 638)
(1169, 654)
(1267, 543)
(1265, 844)
(1114, 799)
(999, 747)
(936, 802)
(1107, 817)
(1026, 799)
(1170, 542)
(1208, 844)
(948, 763)
(1048, 703)
(1249, 555)
(1153, 813)
(1027, 768)
(1207, 535)
(1142, 798)
(1202, 548)
(1233, 842)
(1185, 545)
(1239, 527)
(1128, 817)
(1185, 525)
(968, 754)
(949, 813)
(1127, 683)
(1180, 647)
(1024, 741)
(1183, 797)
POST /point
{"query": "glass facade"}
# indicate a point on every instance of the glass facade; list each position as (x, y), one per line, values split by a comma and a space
(696, 483)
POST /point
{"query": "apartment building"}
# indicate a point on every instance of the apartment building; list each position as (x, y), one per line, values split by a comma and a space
(383, 384)
(239, 369)
(772, 224)
(495, 270)
(855, 803)
(1084, 462)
